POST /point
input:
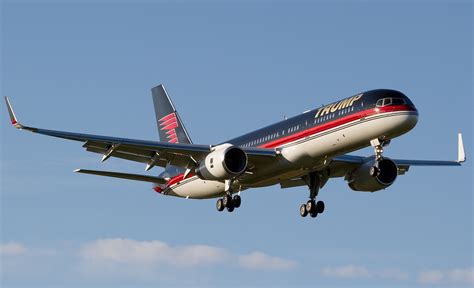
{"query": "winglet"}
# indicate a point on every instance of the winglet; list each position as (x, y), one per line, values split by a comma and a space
(461, 154)
(13, 119)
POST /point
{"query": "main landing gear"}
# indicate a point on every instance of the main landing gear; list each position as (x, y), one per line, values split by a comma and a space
(227, 201)
(378, 145)
(312, 207)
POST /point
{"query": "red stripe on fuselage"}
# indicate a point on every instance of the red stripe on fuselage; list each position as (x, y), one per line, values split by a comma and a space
(172, 181)
(313, 130)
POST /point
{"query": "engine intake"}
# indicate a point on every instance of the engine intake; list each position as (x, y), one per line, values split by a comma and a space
(369, 179)
(225, 162)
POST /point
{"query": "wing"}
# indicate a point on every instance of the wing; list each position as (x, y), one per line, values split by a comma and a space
(341, 165)
(153, 153)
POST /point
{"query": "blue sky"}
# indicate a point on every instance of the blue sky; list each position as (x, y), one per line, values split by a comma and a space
(230, 67)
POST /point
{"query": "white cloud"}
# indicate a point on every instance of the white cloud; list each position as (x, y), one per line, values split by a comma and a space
(449, 276)
(430, 277)
(144, 258)
(346, 271)
(12, 248)
(121, 259)
(132, 252)
(261, 261)
(357, 271)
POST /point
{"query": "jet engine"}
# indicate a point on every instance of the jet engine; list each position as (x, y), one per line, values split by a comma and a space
(373, 175)
(225, 162)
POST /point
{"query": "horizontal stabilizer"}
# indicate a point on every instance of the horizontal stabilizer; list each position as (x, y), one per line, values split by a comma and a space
(137, 177)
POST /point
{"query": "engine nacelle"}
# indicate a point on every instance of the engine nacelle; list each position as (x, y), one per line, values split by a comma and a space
(367, 179)
(225, 162)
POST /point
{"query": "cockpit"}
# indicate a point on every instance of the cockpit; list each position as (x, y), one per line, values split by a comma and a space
(390, 101)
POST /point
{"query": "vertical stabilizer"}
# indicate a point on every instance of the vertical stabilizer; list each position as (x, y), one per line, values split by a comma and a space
(170, 126)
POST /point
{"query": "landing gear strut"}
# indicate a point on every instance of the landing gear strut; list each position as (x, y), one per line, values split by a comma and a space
(378, 145)
(227, 201)
(312, 207)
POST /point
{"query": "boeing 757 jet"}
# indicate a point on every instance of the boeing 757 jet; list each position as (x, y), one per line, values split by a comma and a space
(305, 150)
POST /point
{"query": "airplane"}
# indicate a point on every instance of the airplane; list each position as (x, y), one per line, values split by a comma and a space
(305, 150)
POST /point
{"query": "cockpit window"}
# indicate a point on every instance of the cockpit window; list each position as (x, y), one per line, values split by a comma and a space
(398, 101)
(390, 101)
(387, 101)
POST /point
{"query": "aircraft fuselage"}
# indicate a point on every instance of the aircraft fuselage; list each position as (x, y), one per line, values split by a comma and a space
(308, 141)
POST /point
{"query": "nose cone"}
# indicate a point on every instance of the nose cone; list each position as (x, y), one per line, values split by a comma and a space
(403, 123)
(412, 120)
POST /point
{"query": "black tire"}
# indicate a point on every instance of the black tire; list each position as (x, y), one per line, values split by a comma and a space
(230, 208)
(226, 200)
(220, 205)
(320, 207)
(310, 206)
(303, 211)
(313, 214)
(374, 171)
(236, 201)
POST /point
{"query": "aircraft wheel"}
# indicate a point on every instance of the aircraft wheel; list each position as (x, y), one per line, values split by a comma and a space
(303, 210)
(310, 206)
(320, 207)
(226, 200)
(373, 171)
(313, 214)
(230, 208)
(236, 201)
(220, 205)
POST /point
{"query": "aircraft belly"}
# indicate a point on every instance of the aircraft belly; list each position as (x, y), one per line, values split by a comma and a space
(197, 188)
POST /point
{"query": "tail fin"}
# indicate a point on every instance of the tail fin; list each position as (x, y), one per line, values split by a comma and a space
(170, 126)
